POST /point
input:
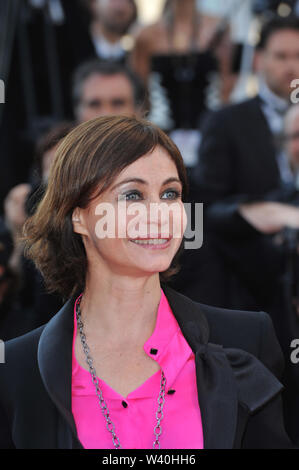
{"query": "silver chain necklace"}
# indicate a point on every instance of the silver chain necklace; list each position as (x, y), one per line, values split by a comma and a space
(105, 411)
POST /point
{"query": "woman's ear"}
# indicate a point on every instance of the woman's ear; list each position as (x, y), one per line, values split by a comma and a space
(78, 221)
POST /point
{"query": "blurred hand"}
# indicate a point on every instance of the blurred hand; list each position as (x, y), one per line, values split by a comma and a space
(270, 217)
(14, 207)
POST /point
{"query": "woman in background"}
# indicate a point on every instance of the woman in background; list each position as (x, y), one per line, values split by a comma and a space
(184, 49)
(185, 61)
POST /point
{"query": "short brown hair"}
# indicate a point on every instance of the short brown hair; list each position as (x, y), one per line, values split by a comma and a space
(276, 24)
(89, 157)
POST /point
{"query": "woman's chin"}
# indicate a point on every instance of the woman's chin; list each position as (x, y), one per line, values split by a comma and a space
(149, 269)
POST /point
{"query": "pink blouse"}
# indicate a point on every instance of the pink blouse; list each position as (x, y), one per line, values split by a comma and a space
(134, 416)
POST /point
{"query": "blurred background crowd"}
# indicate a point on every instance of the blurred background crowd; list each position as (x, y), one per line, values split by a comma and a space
(222, 79)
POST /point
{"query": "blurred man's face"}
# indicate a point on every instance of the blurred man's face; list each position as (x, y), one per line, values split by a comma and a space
(116, 15)
(279, 61)
(104, 95)
(292, 139)
(2, 272)
(47, 160)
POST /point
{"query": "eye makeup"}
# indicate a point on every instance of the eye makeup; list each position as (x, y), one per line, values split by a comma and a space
(135, 195)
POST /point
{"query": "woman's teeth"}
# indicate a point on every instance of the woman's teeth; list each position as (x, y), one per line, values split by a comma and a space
(154, 241)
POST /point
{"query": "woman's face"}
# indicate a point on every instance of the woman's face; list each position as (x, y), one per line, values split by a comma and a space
(141, 215)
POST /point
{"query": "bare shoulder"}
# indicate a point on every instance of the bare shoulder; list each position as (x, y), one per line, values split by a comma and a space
(151, 34)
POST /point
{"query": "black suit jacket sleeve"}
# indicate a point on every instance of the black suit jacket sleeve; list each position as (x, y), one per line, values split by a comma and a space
(270, 352)
(265, 428)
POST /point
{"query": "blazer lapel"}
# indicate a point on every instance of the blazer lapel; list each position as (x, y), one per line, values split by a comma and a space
(55, 365)
(216, 385)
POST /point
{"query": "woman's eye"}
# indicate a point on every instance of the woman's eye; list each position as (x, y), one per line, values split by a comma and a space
(137, 196)
(171, 194)
(133, 196)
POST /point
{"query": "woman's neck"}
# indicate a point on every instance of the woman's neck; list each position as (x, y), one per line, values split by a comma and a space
(121, 308)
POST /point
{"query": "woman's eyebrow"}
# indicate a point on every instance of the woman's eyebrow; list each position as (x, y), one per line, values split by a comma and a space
(141, 181)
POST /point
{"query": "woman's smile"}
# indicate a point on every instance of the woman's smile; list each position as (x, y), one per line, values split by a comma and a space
(152, 243)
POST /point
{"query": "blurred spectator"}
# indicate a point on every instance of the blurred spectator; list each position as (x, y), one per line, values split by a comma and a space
(181, 30)
(15, 216)
(6, 248)
(179, 57)
(103, 88)
(239, 177)
(241, 158)
(14, 320)
(46, 148)
(42, 44)
(19, 203)
(291, 136)
(111, 20)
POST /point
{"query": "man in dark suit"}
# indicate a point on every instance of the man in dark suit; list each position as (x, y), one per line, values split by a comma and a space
(240, 156)
(242, 172)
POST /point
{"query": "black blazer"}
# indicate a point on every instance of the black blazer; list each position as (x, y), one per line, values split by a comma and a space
(239, 396)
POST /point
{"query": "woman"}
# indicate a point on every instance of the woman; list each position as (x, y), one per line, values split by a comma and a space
(91, 377)
(179, 57)
(185, 61)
